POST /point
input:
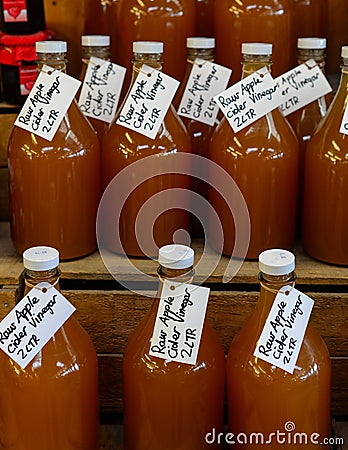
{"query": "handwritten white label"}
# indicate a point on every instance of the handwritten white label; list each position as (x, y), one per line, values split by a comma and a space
(179, 322)
(301, 86)
(47, 103)
(101, 89)
(206, 80)
(32, 322)
(249, 99)
(344, 123)
(283, 333)
(148, 102)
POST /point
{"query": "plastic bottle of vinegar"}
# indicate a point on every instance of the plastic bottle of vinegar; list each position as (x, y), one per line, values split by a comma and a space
(236, 22)
(200, 133)
(304, 120)
(53, 402)
(262, 159)
(170, 405)
(169, 21)
(55, 185)
(98, 46)
(325, 209)
(122, 146)
(265, 399)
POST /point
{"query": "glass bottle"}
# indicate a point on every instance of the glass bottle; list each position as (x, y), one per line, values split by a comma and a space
(53, 402)
(55, 185)
(200, 133)
(99, 47)
(262, 159)
(304, 120)
(168, 21)
(325, 209)
(309, 18)
(22, 16)
(263, 398)
(170, 405)
(236, 22)
(122, 146)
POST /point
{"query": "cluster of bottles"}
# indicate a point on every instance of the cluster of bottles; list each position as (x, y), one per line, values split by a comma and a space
(281, 167)
(169, 404)
(22, 24)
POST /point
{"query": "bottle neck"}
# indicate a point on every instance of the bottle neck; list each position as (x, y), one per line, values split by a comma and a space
(253, 63)
(153, 60)
(102, 52)
(202, 53)
(57, 61)
(32, 278)
(270, 286)
(317, 54)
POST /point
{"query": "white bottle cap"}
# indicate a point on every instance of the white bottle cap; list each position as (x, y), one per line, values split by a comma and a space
(147, 47)
(41, 258)
(276, 262)
(51, 47)
(256, 48)
(94, 40)
(176, 256)
(311, 43)
(344, 51)
(200, 42)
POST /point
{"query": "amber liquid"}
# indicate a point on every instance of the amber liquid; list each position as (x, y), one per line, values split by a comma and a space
(304, 122)
(310, 19)
(325, 209)
(263, 398)
(262, 159)
(168, 21)
(205, 18)
(237, 22)
(53, 402)
(170, 405)
(120, 148)
(55, 187)
(200, 134)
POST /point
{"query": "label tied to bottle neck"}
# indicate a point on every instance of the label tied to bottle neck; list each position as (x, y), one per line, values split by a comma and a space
(32, 322)
(179, 322)
(47, 103)
(284, 330)
(148, 102)
(249, 99)
(101, 89)
(301, 86)
(206, 80)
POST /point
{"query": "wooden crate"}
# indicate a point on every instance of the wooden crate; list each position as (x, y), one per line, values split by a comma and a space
(110, 313)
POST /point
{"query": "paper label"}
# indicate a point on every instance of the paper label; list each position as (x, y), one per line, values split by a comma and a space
(32, 322)
(344, 123)
(15, 11)
(282, 335)
(249, 99)
(47, 103)
(301, 86)
(101, 89)
(148, 102)
(179, 322)
(206, 80)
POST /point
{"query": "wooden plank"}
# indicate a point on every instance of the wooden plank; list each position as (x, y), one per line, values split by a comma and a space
(309, 271)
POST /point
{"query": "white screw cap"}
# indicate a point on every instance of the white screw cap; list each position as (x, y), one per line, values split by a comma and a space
(311, 43)
(147, 47)
(176, 256)
(51, 47)
(41, 258)
(200, 42)
(95, 40)
(256, 48)
(276, 262)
